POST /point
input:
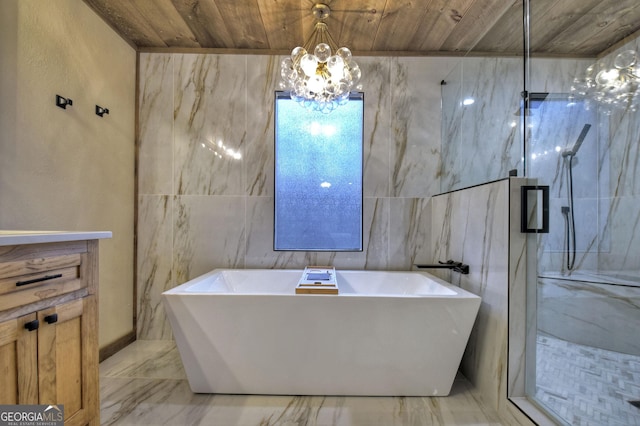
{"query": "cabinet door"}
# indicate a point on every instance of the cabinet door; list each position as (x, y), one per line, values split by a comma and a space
(67, 366)
(18, 361)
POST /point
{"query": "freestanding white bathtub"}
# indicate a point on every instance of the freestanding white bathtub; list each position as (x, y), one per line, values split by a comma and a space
(385, 334)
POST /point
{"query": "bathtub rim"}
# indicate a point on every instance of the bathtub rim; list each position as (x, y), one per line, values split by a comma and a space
(459, 292)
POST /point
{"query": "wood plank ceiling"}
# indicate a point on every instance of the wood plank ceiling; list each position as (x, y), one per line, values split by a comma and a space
(420, 27)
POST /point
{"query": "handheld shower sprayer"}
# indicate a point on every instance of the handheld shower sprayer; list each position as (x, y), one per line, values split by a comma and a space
(578, 144)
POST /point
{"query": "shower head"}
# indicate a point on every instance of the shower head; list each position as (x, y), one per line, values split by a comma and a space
(578, 144)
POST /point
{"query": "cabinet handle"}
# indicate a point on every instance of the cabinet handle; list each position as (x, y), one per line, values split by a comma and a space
(38, 280)
(51, 319)
(32, 325)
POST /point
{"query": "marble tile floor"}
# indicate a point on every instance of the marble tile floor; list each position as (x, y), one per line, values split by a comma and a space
(145, 384)
(587, 386)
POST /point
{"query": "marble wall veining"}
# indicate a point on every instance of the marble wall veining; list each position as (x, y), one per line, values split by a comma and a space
(623, 177)
(481, 123)
(579, 311)
(584, 306)
(200, 208)
(474, 230)
(605, 172)
(479, 226)
(554, 125)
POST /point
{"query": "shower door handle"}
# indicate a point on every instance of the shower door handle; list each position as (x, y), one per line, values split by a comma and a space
(541, 200)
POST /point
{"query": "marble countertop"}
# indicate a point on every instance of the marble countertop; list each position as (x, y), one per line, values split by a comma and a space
(10, 238)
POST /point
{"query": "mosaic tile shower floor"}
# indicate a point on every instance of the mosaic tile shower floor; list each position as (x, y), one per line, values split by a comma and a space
(587, 386)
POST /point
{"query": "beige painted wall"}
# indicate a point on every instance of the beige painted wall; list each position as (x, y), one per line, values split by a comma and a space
(70, 169)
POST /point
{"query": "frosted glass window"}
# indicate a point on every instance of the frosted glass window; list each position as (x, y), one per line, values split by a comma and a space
(318, 177)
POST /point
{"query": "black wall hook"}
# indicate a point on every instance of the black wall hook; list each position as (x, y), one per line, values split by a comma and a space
(101, 111)
(63, 102)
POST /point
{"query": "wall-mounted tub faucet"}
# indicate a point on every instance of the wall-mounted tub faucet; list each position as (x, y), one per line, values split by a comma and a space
(449, 264)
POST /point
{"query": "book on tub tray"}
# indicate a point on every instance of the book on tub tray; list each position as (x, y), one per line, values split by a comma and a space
(318, 280)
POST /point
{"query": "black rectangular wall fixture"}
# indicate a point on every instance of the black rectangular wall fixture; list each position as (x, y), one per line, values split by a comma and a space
(525, 209)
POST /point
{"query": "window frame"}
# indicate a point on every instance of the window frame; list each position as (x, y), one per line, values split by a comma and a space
(354, 96)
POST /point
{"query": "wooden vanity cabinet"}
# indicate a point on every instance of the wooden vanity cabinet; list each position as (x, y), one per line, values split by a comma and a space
(48, 327)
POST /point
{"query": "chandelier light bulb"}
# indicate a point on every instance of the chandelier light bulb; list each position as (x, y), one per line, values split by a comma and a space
(298, 53)
(344, 53)
(626, 59)
(315, 84)
(608, 77)
(336, 67)
(309, 64)
(322, 52)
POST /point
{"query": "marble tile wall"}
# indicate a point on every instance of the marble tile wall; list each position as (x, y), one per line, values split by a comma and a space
(473, 226)
(200, 209)
(487, 131)
(476, 226)
(623, 204)
(606, 169)
(605, 196)
(554, 125)
(578, 311)
(606, 204)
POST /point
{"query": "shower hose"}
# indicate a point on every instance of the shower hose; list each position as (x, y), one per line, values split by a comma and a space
(570, 224)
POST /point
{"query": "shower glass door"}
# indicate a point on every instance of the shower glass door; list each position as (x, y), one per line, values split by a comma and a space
(583, 141)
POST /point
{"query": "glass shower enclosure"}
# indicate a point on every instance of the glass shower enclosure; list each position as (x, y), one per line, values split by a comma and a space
(582, 140)
(577, 131)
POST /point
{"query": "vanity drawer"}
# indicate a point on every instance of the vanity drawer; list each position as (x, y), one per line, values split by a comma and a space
(31, 280)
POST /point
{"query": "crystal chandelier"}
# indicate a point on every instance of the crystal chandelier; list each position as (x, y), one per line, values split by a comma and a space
(611, 86)
(319, 75)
